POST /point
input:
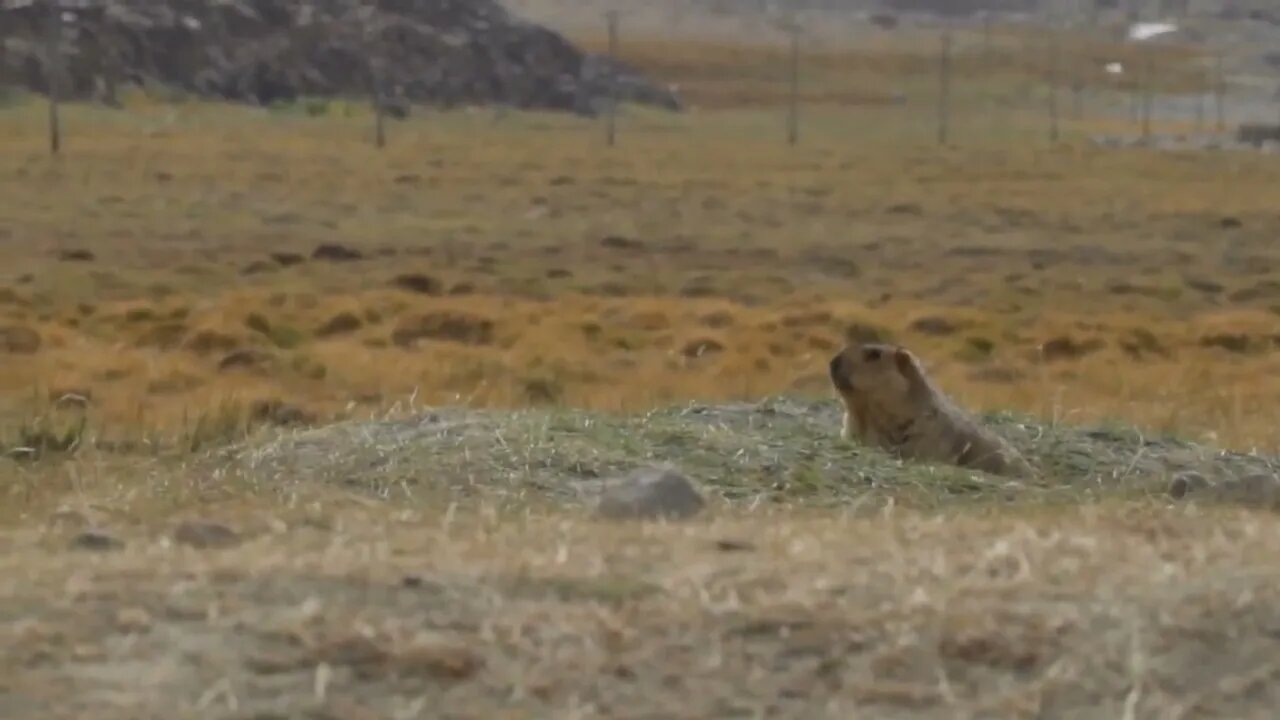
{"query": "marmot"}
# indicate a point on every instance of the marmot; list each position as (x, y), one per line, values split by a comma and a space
(890, 403)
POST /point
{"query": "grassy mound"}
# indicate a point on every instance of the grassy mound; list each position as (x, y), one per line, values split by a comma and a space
(781, 450)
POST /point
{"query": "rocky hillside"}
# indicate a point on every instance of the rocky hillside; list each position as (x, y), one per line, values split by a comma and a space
(435, 52)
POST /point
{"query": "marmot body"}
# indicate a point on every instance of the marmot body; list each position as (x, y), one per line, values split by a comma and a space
(892, 404)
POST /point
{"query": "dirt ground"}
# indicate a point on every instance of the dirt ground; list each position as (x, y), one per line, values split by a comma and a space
(448, 565)
(1136, 612)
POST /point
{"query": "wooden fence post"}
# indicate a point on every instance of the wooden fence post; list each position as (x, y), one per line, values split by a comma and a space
(373, 61)
(379, 115)
(793, 96)
(1077, 90)
(1146, 93)
(53, 69)
(1053, 85)
(611, 121)
(944, 88)
(986, 37)
(1219, 92)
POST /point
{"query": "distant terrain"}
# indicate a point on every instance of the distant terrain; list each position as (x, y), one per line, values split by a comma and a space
(296, 424)
(436, 52)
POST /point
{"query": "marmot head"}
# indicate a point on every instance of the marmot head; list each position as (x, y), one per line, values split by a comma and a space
(877, 372)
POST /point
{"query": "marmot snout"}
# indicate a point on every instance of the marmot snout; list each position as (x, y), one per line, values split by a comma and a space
(836, 367)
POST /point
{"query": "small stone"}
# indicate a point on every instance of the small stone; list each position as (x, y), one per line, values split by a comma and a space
(274, 663)
(1067, 348)
(95, 540)
(421, 583)
(1260, 490)
(1186, 482)
(133, 620)
(619, 242)
(418, 283)
(334, 252)
(257, 267)
(1259, 481)
(650, 493)
(203, 535)
(701, 348)
(76, 400)
(243, 360)
(19, 340)
(28, 630)
(279, 413)
(934, 325)
(341, 324)
(287, 259)
(76, 255)
(67, 518)
(1231, 342)
(444, 659)
(341, 709)
(87, 653)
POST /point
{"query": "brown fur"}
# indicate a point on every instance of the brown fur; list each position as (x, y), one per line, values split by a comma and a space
(891, 403)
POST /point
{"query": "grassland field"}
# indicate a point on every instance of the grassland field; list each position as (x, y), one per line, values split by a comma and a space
(186, 275)
(702, 258)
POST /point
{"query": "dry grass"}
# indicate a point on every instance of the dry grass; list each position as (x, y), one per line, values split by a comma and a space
(674, 266)
(160, 298)
(1138, 612)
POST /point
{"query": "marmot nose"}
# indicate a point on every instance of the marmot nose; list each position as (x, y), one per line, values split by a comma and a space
(838, 376)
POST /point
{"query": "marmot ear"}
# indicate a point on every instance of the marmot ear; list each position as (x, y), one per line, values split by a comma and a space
(907, 365)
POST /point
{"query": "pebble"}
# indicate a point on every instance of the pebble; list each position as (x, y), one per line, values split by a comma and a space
(649, 494)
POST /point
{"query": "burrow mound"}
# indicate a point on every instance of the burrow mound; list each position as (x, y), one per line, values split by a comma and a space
(434, 52)
(783, 450)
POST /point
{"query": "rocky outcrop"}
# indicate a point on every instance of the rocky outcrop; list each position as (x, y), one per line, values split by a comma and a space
(1258, 134)
(434, 52)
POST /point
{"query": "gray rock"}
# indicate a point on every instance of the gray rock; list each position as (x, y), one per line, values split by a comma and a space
(1257, 490)
(203, 535)
(1257, 134)
(95, 540)
(650, 494)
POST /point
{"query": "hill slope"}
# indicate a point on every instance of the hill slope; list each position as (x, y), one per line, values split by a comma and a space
(437, 52)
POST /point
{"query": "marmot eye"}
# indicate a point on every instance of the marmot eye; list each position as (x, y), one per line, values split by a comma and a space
(871, 355)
